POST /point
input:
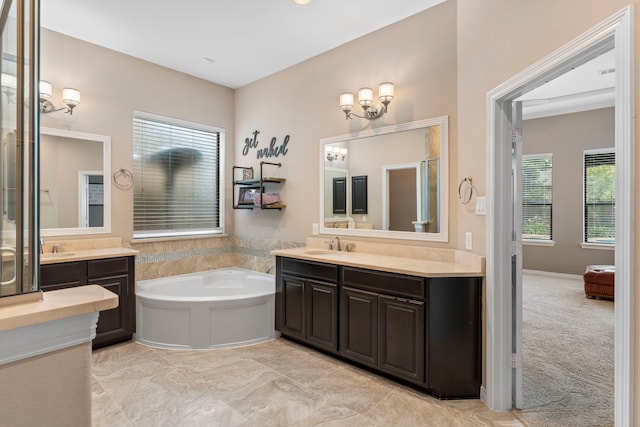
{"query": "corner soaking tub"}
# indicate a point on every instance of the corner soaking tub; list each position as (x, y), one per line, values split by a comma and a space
(221, 308)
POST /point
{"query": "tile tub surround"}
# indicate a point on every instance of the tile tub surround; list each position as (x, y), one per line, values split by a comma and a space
(276, 383)
(403, 259)
(171, 257)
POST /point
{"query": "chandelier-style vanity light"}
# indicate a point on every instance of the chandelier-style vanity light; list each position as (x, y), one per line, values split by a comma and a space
(365, 98)
(71, 97)
(335, 153)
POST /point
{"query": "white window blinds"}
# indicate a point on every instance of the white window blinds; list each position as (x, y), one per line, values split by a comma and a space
(599, 196)
(537, 196)
(177, 169)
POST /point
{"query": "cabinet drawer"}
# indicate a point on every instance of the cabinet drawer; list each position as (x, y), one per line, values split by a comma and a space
(63, 275)
(389, 283)
(311, 269)
(107, 266)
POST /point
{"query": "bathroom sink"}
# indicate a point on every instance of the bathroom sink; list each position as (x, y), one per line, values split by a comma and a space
(318, 252)
(57, 255)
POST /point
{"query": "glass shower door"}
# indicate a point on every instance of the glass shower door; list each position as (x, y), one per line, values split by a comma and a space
(19, 121)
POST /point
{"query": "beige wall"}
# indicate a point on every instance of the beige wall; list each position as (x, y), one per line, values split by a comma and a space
(566, 137)
(112, 86)
(55, 389)
(418, 55)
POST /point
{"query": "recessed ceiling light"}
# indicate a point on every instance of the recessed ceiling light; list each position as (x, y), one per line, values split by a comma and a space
(302, 1)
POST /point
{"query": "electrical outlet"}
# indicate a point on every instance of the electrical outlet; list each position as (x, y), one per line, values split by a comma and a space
(469, 240)
(314, 228)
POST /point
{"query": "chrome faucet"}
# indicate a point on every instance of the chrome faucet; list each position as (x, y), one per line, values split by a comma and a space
(334, 239)
(41, 245)
(55, 248)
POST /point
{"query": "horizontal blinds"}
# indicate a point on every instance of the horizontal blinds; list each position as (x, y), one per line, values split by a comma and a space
(177, 172)
(537, 196)
(599, 197)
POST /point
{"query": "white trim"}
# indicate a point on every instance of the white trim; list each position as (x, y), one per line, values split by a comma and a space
(106, 166)
(443, 235)
(600, 246)
(41, 338)
(156, 236)
(538, 242)
(498, 292)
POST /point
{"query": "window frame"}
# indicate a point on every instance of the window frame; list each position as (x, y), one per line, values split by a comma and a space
(584, 243)
(538, 241)
(160, 234)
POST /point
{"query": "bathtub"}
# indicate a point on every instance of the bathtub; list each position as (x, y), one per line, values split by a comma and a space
(222, 308)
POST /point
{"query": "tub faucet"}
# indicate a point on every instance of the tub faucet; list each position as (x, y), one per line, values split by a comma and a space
(270, 269)
(334, 239)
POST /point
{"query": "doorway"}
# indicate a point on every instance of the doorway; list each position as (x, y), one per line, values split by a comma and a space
(504, 248)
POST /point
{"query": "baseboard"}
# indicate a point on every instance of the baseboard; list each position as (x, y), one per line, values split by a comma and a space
(553, 274)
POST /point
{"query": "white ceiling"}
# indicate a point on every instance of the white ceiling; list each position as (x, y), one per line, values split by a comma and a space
(587, 87)
(230, 42)
(236, 42)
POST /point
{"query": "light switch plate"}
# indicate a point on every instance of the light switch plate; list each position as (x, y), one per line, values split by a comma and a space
(481, 207)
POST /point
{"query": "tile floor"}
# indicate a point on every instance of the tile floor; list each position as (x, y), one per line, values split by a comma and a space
(278, 383)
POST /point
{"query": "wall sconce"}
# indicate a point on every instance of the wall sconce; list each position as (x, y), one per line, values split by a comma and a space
(335, 153)
(365, 98)
(71, 97)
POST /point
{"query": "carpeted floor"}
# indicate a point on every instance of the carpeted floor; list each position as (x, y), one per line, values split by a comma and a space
(568, 366)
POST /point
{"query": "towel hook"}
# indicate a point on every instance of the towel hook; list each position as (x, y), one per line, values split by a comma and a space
(123, 178)
(465, 196)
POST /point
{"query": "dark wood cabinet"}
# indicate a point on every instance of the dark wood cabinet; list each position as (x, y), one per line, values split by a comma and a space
(307, 308)
(401, 338)
(426, 331)
(381, 327)
(115, 274)
(322, 314)
(359, 325)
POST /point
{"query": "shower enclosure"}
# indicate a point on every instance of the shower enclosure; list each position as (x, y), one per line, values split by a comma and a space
(19, 124)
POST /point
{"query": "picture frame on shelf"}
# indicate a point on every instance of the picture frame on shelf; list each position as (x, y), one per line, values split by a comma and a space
(246, 195)
(247, 173)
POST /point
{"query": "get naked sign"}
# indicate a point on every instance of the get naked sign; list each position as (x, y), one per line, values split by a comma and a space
(273, 150)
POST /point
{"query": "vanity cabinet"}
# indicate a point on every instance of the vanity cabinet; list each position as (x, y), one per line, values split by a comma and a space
(307, 303)
(382, 324)
(426, 331)
(115, 274)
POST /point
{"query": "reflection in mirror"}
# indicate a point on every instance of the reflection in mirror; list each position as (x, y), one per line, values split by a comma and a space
(74, 183)
(406, 170)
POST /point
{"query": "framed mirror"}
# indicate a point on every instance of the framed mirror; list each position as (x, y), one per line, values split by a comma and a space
(397, 181)
(75, 184)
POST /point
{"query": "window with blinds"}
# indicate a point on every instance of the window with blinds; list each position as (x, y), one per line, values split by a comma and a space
(177, 168)
(600, 196)
(537, 196)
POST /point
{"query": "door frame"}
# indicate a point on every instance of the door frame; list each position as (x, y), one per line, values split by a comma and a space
(616, 30)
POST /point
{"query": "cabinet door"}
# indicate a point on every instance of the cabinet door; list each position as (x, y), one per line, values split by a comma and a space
(401, 337)
(114, 325)
(359, 325)
(322, 314)
(293, 319)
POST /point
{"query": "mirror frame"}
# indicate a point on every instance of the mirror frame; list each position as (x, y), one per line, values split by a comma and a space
(443, 235)
(106, 167)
